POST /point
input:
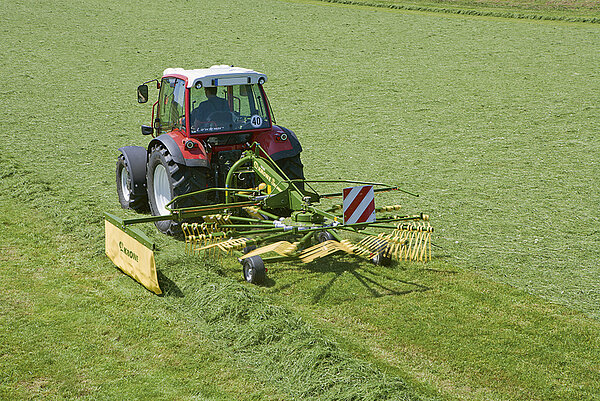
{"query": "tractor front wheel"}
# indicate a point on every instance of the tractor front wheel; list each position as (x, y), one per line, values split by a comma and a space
(166, 180)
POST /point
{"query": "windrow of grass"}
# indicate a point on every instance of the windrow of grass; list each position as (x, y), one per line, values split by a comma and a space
(568, 11)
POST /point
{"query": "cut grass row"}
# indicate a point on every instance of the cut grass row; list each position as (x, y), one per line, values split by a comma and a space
(570, 11)
(451, 329)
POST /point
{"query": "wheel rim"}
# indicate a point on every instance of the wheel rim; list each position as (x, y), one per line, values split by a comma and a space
(249, 273)
(124, 186)
(162, 189)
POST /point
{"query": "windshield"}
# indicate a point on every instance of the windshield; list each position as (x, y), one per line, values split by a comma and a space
(227, 108)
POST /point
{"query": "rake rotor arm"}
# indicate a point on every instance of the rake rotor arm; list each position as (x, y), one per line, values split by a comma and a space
(385, 188)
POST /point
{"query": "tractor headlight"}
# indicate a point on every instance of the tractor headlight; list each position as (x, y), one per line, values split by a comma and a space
(198, 85)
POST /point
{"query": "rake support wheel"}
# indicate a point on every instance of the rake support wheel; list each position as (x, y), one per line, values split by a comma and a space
(253, 270)
(322, 236)
(380, 259)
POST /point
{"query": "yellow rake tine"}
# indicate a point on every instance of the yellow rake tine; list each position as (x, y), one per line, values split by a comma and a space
(324, 249)
(420, 237)
(429, 238)
(424, 248)
(414, 246)
(282, 247)
(318, 251)
(347, 246)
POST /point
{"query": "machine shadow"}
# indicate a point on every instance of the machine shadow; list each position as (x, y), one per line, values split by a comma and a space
(374, 279)
(168, 286)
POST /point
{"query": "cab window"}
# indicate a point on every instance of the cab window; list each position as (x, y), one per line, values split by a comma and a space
(228, 108)
(171, 105)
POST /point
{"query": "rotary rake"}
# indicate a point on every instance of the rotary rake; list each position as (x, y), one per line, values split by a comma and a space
(276, 219)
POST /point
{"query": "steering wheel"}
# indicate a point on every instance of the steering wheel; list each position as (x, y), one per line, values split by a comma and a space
(221, 117)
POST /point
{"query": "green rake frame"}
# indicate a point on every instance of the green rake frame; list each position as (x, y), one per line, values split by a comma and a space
(279, 220)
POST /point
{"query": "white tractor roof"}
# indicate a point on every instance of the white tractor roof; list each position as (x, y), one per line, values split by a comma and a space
(218, 75)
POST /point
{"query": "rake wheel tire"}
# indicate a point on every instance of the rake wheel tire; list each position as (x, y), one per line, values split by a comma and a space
(381, 260)
(322, 236)
(127, 198)
(167, 179)
(253, 270)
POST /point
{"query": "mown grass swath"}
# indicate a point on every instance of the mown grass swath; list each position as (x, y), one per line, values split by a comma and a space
(573, 11)
(492, 121)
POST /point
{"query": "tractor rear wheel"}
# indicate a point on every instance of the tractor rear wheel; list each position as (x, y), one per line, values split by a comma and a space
(166, 179)
(293, 168)
(127, 198)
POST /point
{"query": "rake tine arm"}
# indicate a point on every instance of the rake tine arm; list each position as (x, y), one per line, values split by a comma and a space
(248, 226)
(323, 213)
(258, 241)
(305, 239)
(247, 219)
(267, 230)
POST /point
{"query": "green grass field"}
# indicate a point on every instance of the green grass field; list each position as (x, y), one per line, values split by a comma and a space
(493, 121)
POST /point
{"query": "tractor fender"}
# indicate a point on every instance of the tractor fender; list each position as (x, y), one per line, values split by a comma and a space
(276, 148)
(175, 142)
(136, 158)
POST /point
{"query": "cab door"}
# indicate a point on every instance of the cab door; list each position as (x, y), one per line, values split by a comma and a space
(171, 106)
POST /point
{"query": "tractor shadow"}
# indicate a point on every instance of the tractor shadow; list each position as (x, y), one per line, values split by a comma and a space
(351, 279)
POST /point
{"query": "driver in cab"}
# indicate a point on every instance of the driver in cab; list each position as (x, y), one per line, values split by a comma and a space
(210, 109)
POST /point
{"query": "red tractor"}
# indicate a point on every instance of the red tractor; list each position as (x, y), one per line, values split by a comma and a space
(202, 122)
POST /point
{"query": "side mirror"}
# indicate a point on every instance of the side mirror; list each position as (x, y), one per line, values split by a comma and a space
(142, 93)
(147, 130)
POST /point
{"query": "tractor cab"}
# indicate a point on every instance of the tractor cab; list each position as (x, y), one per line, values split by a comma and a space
(209, 101)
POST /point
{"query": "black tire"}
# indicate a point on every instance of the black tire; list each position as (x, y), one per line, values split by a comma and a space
(127, 198)
(293, 168)
(322, 236)
(248, 249)
(166, 180)
(380, 259)
(253, 270)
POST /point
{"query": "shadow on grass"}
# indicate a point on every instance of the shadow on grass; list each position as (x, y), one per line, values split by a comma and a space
(375, 280)
(168, 286)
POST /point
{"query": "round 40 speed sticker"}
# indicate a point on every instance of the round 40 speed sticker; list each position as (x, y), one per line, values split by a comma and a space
(256, 121)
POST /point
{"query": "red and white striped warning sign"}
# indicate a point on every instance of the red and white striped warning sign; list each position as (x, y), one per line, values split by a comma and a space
(359, 204)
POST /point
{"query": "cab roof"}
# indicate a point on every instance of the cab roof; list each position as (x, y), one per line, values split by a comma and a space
(217, 75)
